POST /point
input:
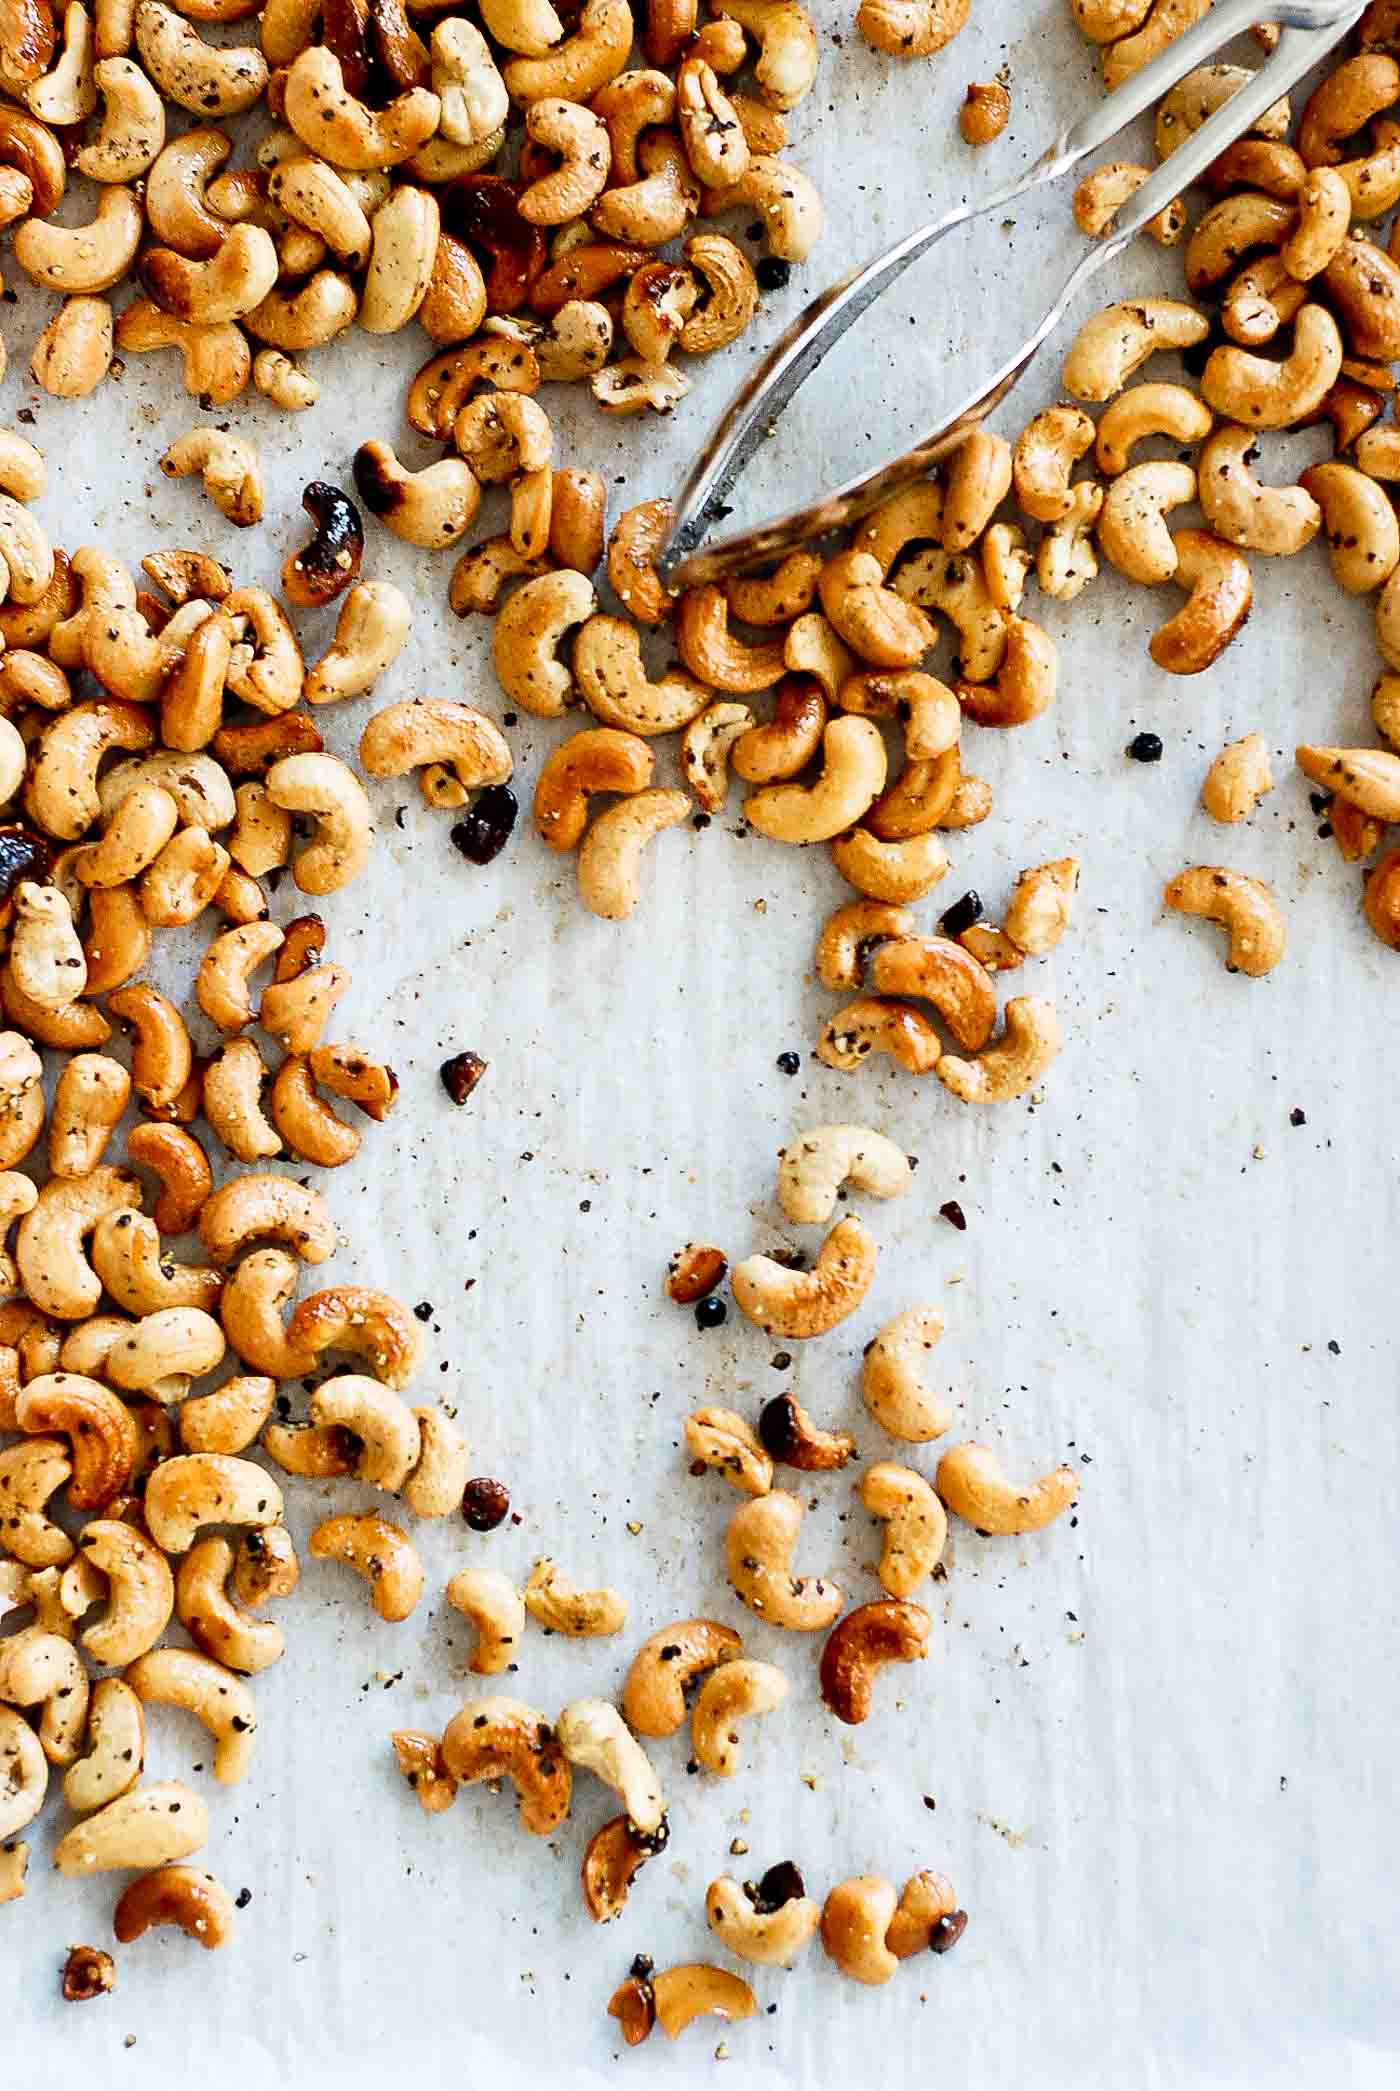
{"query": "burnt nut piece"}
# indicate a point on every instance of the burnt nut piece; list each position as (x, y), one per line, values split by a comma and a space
(331, 561)
(886, 1631)
(791, 1438)
(485, 1503)
(615, 1856)
(88, 1972)
(460, 1075)
(694, 1272)
(634, 2008)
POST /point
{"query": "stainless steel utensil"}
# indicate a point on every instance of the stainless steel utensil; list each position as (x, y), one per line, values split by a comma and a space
(1310, 28)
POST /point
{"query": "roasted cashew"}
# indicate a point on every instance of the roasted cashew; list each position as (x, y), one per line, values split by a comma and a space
(852, 777)
(735, 1691)
(229, 468)
(529, 632)
(1119, 340)
(1038, 912)
(194, 1901)
(609, 859)
(850, 934)
(759, 1542)
(773, 752)
(142, 1828)
(711, 652)
(886, 1631)
(256, 1207)
(915, 1526)
(875, 622)
(592, 1735)
(787, 201)
(83, 258)
(1237, 779)
(129, 1259)
(497, 1738)
(971, 1482)
(41, 1669)
(496, 1609)
(433, 507)
(1221, 593)
(1100, 196)
(1258, 393)
(46, 960)
(330, 120)
(892, 1380)
(229, 1419)
(1363, 535)
(767, 1921)
(911, 28)
(31, 1472)
(49, 1245)
(113, 1759)
(209, 1614)
(561, 1608)
(653, 1697)
(90, 1096)
(371, 630)
(330, 791)
(1131, 526)
(419, 1758)
(721, 1439)
(217, 1698)
(381, 1552)
(1278, 521)
(813, 1169)
(1012, 1063)
(209, 81)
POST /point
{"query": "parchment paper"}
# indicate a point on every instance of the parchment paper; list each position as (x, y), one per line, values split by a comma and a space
(1154, 1747)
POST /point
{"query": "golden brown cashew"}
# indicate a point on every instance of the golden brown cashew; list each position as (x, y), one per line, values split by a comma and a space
(215, 359)
(419, 1758)
(222, 982)
(282, 381)
(771, 753)
(1237, 779)
(851, 934)
(82, 259)
(74, 352)
(892, 1381)
(1147, 410)
(1324, 218)
(231, 1094)
(977, 480)
(971, 1482)
(1259, 393)
(1132, 527)
(609, 859)
(195, 1902)
(116, 1740)
(140, 1591)
(212, 1619)
(767, 1921)
(1363, 535)
(182, 882)
(1038, 912)
(348, 1071)
(30, 1473)
(308, 1126)
(758, 1544)
(61, 793)
(1117, 341)
(142, 1828)
(432, 508)
(721, 1439)
(129, 1259)
(1243, 906)
(936, 970)
(329, 790)
(653, 1697)
(229, 467)
(705, 749)
(174, 1340)
(608, 666)
(359, 1318)
(711, 652)
(49, 1245)
(497, 1738)
(915, 1526)
(41, 1669)
(46, 957)
(1368, 777)
(370, 632)
(813, 1169)
(307, 317)
(261, 1285)
(737, 1691)
(252, 1208)
(1012, 1064)
(615, 1856)
(802, 1304)
(1221, 594)
(381, 1552)
(1278, 521)
(592, 1735)
(208, 80)
(911, 28)
(927, 1918)
(331, 120)
(384, 1426)
(529, 632)
(1100, 196)
(886, 1631)
(561, 1608)
(229, 1419)
(17, 1197)
(877, 624)
(436, 1485)
(207, 1488)
(786, 200)
(496, 1609)
(852, 777)
(217, 1698)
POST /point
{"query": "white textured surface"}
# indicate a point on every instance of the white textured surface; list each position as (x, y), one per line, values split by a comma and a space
(1160, 1741)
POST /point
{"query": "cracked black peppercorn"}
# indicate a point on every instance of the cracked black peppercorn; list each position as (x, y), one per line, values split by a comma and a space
(773, 273)
(789, 1063)
(962, 914)
(1146, 747)
(487, 828)
(710, 1312)
(781, 1884)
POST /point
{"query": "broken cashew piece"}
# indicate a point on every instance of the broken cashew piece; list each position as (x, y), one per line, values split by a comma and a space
(560, 1607)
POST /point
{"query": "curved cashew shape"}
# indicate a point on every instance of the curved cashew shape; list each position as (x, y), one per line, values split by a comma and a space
(936, 970)
(419, 1758)
(1221, 592)
(44, 1669)
(432, 508)
(132, 130)
(496, 1609)
(371, 631)
(561, 1608)
(142, 1828)
(596, 53)
(593, 1736)
(1132, 528)
(877, 624)
(194, 1901)
(1030, 1041)
(129, 1259)
(83, 259)
(30, 1473)
(1363, 535)
(332, 121)
(249, 1309)
(379, 1551)
(1259, 393)
(1243, 906)
(1119, 340)
(653, 1697)
(116, 1744)
(736, 1691)
(787, 201)
(140, 1591)
(608, 667)
(758, 1547)
(609, 860)
(331, 792)
(892, 1382)
(211, 1618)
(722, 1440)
(711, 652)
(1277, 521)
(972, 1484)
(217, 1698)
(208, 81)
(228, 465)
(802, 1304)
(439, 1479)
(222, 982)
(813, 1168)
(384, 1424)
(768, 1921)
(229, 1419)
(47, 964)
(407, 735)
(207, 1488)
(529, 631)
(887, 1631)
(915, 1526)
(175, 1340)
(705, 749)
(1368, 777)
(498, 1738)
(49, 1257)
(853, 775)
(1238, 778)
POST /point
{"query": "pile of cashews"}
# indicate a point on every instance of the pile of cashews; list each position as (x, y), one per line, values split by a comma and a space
(373, 200)
(164, 800)
(1284, 250)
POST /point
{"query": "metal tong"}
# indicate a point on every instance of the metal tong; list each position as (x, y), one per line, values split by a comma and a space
(1310, 28)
